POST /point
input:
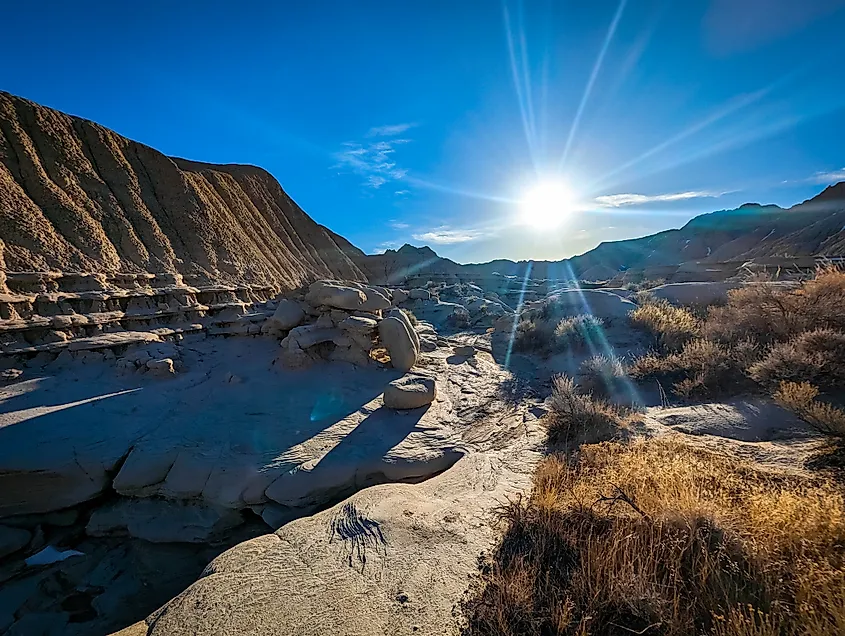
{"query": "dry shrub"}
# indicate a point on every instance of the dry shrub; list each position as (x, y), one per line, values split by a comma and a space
(657, 537)
(536, 336)
(800, 398)
(702, 368)
(768, 313)
(575, 419)
(601, 375)
(549, 335)
(578, 330)
(815, 356)
(671, 327)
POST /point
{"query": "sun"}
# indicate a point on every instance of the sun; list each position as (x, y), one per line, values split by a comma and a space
(546, 204)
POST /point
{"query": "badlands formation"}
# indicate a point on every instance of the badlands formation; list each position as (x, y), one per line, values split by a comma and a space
(218, 417)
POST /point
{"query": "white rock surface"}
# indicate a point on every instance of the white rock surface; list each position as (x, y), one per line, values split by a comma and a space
(392, 559)
(410, 392)
(292, 438)
(694, 293)
(599, 303)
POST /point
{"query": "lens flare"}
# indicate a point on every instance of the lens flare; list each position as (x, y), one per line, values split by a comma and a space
(546, 205)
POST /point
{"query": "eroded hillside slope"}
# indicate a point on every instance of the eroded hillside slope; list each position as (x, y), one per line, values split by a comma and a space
(75, 196)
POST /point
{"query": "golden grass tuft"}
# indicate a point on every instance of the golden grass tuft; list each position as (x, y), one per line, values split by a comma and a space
(576, 419)
(671, 327)
(800, 398)
(658, 537)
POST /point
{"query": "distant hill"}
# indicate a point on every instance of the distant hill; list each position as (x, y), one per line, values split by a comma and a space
(813, 228)
(75, 196)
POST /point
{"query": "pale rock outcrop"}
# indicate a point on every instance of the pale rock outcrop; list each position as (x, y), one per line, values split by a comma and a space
(596, 302)
(162, 521)
(13, 539)
(399, 343)
(702, 294)
(307, 336)
(288, 315)
(410, 392)
(419, 294)
(335, 295)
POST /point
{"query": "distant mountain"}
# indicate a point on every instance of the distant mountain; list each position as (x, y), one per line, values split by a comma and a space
(75, 196)
(813, 228)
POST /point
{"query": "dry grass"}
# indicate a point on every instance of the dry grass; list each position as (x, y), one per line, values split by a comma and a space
(547, 335)
(701, 368)
(657, 537)
(765, 332)
(800, 398)
(768, 313)
(671, 327)
(817, 357)
(578, 330)
(576, 419)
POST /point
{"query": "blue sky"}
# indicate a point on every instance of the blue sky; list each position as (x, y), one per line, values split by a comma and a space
(427, 122)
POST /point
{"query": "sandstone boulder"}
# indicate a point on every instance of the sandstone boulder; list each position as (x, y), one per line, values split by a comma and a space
(410, 392)
(399, 343)
(288, 315)
(401, 315)
(335, 295)
(375, 300)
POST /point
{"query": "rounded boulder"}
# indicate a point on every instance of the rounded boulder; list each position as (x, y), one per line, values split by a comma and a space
(410, 392)
(395, 337)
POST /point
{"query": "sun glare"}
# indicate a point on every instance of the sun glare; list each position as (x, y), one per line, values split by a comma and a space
(546, 204)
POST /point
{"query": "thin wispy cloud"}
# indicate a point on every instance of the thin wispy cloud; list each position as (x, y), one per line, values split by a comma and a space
(373, 161)
(823, 178)
(621, 200)
(381, 248)
(389, 131)
(447, 236)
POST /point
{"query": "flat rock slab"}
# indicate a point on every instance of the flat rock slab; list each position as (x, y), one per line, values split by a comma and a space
(392, 559)
(289, 438)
